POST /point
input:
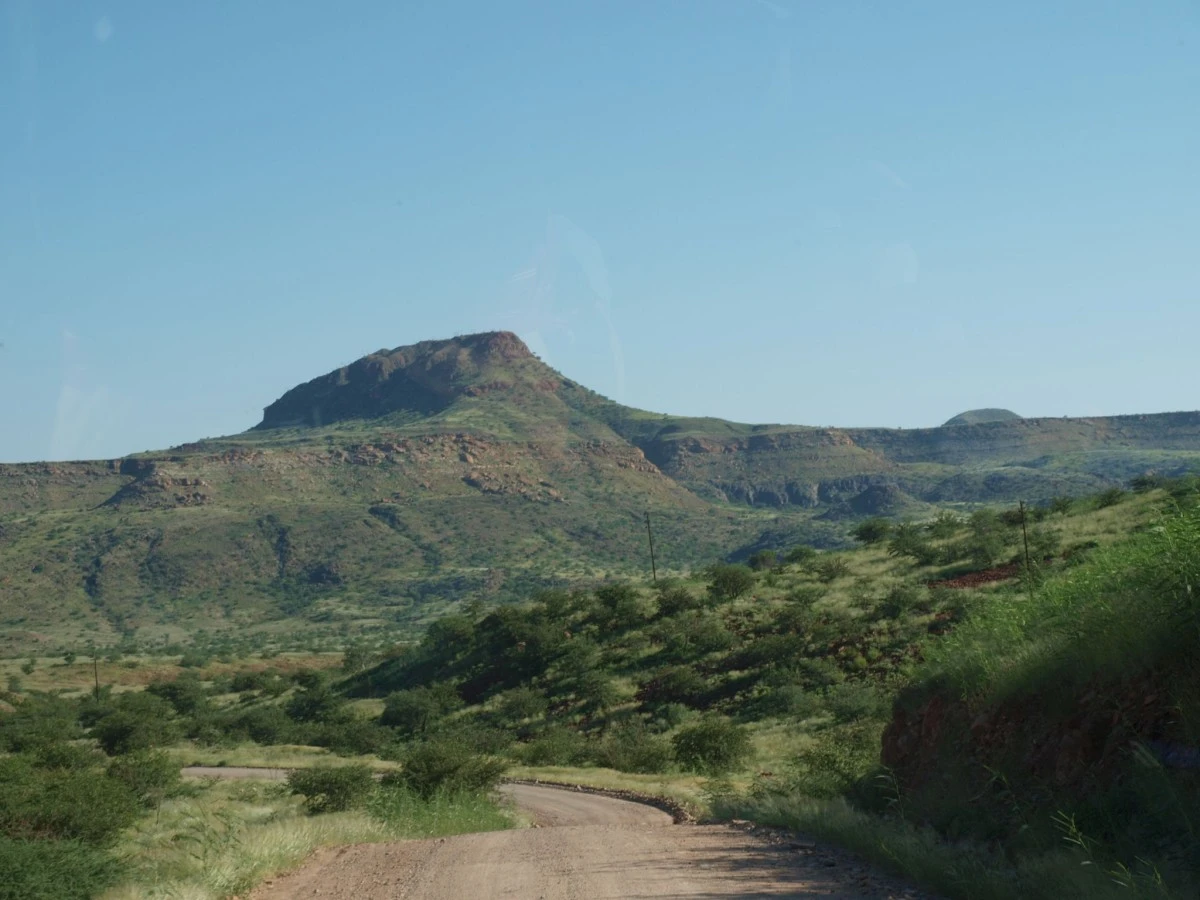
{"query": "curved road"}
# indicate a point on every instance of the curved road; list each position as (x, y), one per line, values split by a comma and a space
(583, 847)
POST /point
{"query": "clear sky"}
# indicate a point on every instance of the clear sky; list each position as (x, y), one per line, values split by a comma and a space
(826, 213)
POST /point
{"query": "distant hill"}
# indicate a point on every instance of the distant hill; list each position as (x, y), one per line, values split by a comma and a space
(379, 493)
(982, 416)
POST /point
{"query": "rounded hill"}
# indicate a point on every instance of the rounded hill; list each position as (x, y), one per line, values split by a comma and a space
(982, 416)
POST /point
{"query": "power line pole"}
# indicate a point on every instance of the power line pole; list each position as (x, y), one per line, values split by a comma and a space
(1028, 563)
(650, 535)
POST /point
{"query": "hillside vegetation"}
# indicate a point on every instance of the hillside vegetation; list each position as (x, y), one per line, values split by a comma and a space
(373, 499)
(935, 694)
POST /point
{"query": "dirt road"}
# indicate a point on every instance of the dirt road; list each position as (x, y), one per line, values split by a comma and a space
(584, 847)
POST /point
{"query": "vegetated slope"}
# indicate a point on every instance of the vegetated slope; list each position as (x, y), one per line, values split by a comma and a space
(1072, 714)
(371, 496)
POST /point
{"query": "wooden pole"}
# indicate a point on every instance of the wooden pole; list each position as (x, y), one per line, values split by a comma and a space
(650, 535)
(1028, 563)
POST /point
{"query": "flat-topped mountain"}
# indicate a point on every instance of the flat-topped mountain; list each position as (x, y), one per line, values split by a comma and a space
(414, 477)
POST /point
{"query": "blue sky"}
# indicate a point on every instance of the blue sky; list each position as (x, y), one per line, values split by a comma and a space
(838, 213)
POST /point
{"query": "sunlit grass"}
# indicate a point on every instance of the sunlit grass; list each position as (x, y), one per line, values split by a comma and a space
(228, 836)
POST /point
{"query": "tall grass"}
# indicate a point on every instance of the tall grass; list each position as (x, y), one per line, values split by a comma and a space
(966, 871)
(229, 837)
(1128, 608)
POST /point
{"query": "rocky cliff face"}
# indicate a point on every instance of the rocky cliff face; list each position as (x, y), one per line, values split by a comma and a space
(417, 380)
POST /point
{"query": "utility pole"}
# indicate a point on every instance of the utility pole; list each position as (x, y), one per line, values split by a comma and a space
(1028, 564)
(650, 535)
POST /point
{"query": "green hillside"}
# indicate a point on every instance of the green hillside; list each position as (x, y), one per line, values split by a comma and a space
(373, 497)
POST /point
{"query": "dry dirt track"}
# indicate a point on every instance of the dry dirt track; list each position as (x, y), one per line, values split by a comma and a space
(585, 848)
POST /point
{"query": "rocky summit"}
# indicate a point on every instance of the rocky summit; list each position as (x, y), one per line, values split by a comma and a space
(446, 469)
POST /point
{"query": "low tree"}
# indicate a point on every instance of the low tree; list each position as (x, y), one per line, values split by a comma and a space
(329, 789)
(761, 560)
(1061, 505)
(872, 531)
(713, 746)
(729, 582)
(417, 710)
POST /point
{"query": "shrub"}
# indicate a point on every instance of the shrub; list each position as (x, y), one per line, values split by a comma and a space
(620, 606)
(521, 703)
(446, 767)
(186, 693)
(62, 805)
(713, 746)
(633, 748)
(830, 568)
(872, 531)
(693, 634)
(855, 700)
(151, 776)
(1108, 498)
(416, 710)
(317, 703)
(945, 525)
(138, 721)
(674, 599)
(799, 555)
(54, 870)
(1061, 505)
(910, 540)
(730, 582)
(836, 761)
(556, 746)
(903, 598)
(332, 788)
(763, 559)
(674, 684)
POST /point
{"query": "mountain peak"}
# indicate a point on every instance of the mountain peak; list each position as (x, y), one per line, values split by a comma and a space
(417, 379)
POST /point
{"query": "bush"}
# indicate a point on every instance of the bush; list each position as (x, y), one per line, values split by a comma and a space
(713, 746)
(674, 599)
(855, 701)
(1108, 498)
(151, 776)
(945, 525)
(834, 763)
(620, 606)
(416, 710)
(633, 748)
(763, 559)
(137, 721)
(317, 703)
(872, 531)
(54, 870)
(730, 582)
(556, 746)
(674, 684)
(799, 555)
(80, 805)
(829, 568)
(1061, 505)
(692, 634)
(521, 703)
(332, 789)
(446, 767)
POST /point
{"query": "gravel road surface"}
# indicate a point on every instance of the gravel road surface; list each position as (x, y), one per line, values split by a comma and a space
(584, 847)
